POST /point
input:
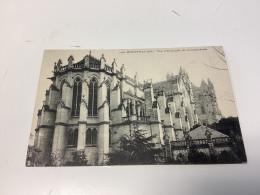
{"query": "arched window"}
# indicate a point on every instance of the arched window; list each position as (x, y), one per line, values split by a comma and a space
(77, 88)
(131, 108)
(73, 137)
(94, 137)
(127, 111)
(177, 115)
(108, 95)
(92, 100)
(110, 137)
(88, 137)
(63, 90)
(70, 137)
(91, 137)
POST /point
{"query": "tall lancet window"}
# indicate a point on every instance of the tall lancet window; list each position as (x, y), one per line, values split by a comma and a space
(92, 100)
(77, 88)
(63, 90)
(108, 95)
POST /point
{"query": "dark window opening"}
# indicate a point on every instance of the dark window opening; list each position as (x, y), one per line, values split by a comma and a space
(91, 137)
(92, 101)
(73, 137)
(76, 100)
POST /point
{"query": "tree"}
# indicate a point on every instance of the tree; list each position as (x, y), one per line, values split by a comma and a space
(228, 157)
(79, 158)
(136, 149)
(231, 127)
(32, 158)
(180, 159)
(197, 157)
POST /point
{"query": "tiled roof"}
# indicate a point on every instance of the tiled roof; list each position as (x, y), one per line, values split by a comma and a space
(80, 62)
(199, 133)
(92, 60)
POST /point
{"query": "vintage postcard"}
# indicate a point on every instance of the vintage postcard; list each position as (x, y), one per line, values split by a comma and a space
(135, 107)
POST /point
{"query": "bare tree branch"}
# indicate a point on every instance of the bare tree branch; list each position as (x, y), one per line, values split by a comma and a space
(214, 67)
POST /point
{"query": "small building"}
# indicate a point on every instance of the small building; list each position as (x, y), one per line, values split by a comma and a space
(203, 139)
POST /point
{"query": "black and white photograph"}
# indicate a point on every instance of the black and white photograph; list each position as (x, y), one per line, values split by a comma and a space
(129, 97)
(163, 106)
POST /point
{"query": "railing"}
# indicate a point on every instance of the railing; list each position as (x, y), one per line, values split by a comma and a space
(130, 79)
(94, 66)
(126, 118)
(63, 68)
(201, 142)
(108, 68)
(140, 118)
(78, 66)
(144, 118)
(220, 140)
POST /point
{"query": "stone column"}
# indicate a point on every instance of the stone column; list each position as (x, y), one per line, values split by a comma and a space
(133, 114)
(124, 114)
(133, 107)
(138, 111)
(103, 128)
(60, 131)
(83, 117)
(129, 108)
(45, 133)
(62, 118)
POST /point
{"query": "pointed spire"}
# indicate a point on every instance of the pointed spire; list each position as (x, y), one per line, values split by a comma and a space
(55, 67)
(86, 61)
(70, 60)
(203, 83)
(209, 82)
(103, 57)
(136, 78)
(122, 70)
(114, 62)
(180, 71)
(114, 65)
(168, 77)
(90, 53)
(59, 62)
(102, 61)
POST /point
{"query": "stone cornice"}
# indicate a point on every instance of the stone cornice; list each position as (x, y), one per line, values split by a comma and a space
(62, 124)
(84, 69)
(168, 126)
(45, 126)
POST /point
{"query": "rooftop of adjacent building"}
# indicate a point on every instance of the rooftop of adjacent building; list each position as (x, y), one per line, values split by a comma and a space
(202, 131)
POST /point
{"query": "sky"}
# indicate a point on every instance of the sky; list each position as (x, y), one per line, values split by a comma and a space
(199, 62)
